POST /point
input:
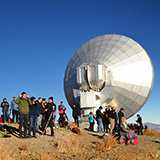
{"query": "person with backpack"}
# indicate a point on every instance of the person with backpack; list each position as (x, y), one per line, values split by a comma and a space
(5, 106)
(62, 109)
(105, 120)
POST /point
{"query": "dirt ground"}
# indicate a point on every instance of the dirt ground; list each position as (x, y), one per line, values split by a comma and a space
(68, 145)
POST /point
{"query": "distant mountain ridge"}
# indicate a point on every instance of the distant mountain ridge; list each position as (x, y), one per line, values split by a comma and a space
(152, 125)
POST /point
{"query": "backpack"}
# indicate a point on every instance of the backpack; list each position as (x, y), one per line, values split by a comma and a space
(75, 130)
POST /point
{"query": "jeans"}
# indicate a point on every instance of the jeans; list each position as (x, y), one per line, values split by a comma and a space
(5, 116)
(33, 122)
(99, 121)
(140, 128)
(39, 120)
(23, 118)
(15, 114)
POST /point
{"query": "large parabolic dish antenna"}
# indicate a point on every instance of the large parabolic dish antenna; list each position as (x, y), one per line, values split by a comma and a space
(109, 70)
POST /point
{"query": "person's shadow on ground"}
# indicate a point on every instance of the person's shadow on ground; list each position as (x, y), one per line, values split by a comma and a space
(11, 130)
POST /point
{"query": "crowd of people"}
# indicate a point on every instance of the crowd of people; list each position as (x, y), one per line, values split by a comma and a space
(42, 114)
(39, 113)
(113, 122)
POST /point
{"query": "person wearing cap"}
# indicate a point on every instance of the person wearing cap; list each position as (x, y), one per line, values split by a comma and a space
(5, 106)
(99, 118)
(14, 109)
(50, 109)
(24, 102)
(33, 116)
(62, 109)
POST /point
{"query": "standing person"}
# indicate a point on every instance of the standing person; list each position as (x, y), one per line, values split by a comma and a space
(50, 108)
(120, 115)
(111, 116)
(99, 118)
(24, 101)
(76, 113)
(15, 109)
(33, 117)
(105, 120)
(41, 112)
(44, 104)
(62, 109)
(115, 118)
(140, 125)
(5, 106)
(91, 121)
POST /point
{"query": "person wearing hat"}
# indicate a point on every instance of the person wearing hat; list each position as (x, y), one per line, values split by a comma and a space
(14, 109)
(99, 118)
(50, 109)
(33, 116)
(24, 102)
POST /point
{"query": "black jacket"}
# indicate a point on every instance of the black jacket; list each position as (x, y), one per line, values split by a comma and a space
(139, 121)
(40, 107)
(76, 111)
(120, 115)
(99, 114)
(112, 114)
(51, 108)
(5, 106)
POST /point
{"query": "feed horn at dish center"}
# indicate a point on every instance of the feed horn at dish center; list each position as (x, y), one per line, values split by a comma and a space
(109, 70)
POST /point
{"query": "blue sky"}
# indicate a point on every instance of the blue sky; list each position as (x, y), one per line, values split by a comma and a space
(38, 38)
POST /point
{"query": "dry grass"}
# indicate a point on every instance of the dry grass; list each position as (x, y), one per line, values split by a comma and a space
(149, 132)
(5, 152)
(69, 144)
(106, 144)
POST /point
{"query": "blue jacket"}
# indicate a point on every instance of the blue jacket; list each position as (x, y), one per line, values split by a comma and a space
(34, 110)
(14, 105)
(91, 119)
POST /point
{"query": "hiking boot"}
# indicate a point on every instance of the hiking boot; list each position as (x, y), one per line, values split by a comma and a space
(20, 137)
(35, 136)
(25, 136)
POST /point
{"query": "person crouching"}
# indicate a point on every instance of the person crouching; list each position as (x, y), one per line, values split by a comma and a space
(33, 117)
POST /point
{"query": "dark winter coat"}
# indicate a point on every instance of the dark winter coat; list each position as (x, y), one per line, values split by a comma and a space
(76, 111)
(139, 121)
(33, 110)
(99, 114)
(120, 115)
(5, 106)
(51, 108)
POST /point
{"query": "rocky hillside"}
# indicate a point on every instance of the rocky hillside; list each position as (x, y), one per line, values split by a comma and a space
(68, 145)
